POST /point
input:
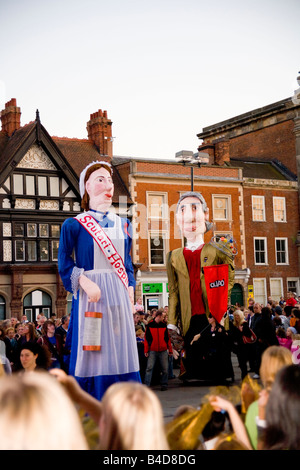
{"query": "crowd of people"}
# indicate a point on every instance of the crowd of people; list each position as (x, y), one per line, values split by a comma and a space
(251, 331)
(43, 339)
(265, 339)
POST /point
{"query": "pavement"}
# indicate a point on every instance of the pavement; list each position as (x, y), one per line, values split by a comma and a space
(192, 393)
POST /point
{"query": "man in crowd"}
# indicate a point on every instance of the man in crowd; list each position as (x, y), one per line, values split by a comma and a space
(157, 346)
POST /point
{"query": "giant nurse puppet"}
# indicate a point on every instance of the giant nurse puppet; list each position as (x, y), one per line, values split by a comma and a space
(200, 279)
(95, 265)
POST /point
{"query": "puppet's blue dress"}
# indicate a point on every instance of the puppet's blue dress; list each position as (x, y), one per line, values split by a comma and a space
(79, 254)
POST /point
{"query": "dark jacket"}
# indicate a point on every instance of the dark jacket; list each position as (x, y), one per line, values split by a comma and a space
(265, 330)
(157, 337)
(236, 336)
(56, 350)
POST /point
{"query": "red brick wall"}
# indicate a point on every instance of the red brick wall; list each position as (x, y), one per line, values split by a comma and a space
(270, 230)
(277, 141)
(152, 167)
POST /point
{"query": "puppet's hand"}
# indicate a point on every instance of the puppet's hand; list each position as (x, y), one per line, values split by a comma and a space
(196, 337)
(91, 289)
(175, 354)
(131, 297)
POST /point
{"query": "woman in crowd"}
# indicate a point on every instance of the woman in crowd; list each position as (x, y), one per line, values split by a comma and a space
(53, 342)
(273, 359)
(282, 411)
(37, 414)
(238, 329)
(284, 339)
(130, 415)
(217, 352)
(131, 419)
(6, 349)
(28, 333)
(33, 357)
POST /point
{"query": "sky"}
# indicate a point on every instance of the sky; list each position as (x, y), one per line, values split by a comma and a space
(163, 69)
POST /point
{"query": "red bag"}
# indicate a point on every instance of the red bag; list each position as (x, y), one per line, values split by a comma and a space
(216, 281)
(250, 339)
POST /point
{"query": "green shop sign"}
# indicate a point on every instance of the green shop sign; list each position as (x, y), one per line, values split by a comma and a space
(152, 288)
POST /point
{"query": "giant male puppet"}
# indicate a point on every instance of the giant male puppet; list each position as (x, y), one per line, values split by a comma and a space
(200, 279)
(101, 333)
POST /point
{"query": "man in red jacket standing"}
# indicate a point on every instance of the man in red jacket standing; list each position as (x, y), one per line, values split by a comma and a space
(157, 345)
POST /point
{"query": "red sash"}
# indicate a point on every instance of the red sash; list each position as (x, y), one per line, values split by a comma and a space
(105, 245)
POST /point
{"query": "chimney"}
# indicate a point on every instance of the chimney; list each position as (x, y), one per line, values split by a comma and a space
(99, 129)
(210, 149)
(222, 151)
(11, 117)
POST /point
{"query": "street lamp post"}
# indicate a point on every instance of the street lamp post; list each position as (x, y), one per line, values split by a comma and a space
(189, 158)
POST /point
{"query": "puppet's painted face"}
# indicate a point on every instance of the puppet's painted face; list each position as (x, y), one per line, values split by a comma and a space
(191, 218)
(100, 189)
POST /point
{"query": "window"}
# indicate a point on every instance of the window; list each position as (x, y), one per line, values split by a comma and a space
(28, 312)
(31, 230)
(44, 191)
(157, 248)
(18, 184)
(54, 186)
(293, 284)
(19, 250)
(259, 290)
(221, 207)
(55, 231)
(260, 251)
(44, 230)
(54, 246)
(276, 288)
(69, 303)
(30, 187)
(37, 302)
(30, 242)
(2, 308)
(42, 185)
(281, 245)
(279, 209)
(31, 248)
(157, 206)
(258, 208)
(46, 312)
(44, 250)
(19, 230)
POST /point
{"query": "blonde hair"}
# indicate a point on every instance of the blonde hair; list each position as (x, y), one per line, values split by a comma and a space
(29, 416)
(241, 317)
(272, 360)
(139, 332)
(132, 419)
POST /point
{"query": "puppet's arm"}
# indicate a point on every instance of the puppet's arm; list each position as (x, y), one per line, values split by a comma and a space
(73, 276)
(173, 296)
